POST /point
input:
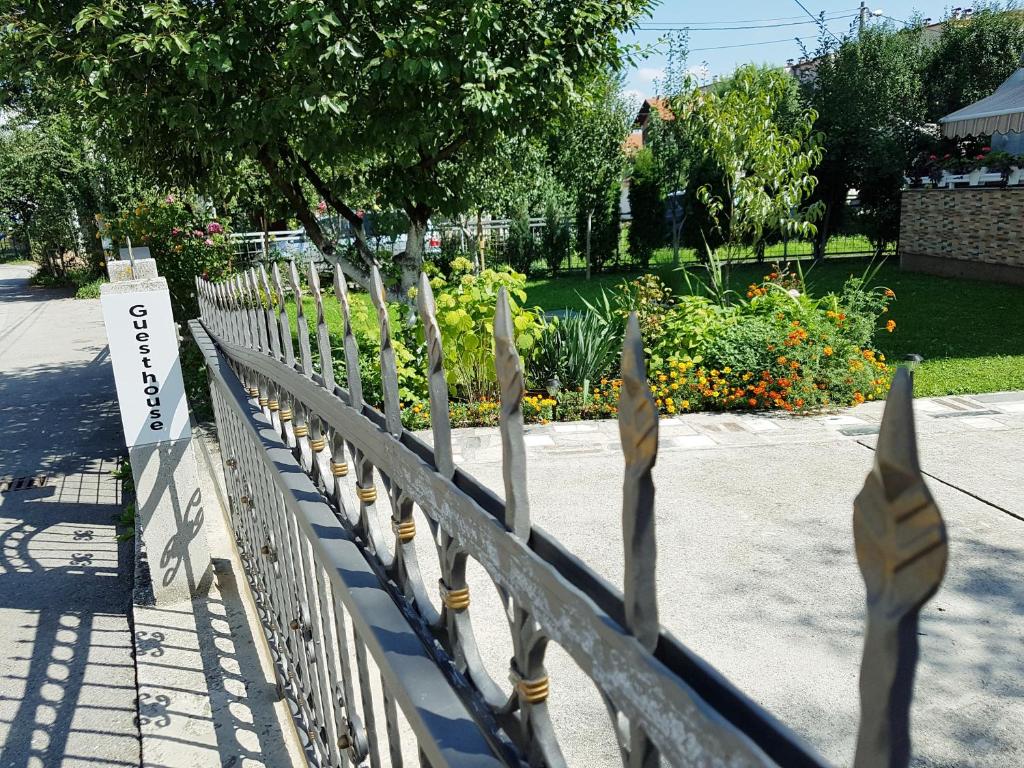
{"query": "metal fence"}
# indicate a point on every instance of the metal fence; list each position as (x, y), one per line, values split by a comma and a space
(312, 471)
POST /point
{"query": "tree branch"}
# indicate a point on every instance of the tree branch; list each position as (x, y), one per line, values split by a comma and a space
(293, 194)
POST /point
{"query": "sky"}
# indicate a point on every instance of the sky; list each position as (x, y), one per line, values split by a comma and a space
(718, 45)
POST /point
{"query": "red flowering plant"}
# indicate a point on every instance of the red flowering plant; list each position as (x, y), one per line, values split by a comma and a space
(184, 241)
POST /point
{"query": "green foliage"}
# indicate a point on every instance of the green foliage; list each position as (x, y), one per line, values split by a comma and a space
(579, 350)
(184, 241)
(763, 157)
(184, 88)
(521, 248)
(556, 237)
(586, 143)
(126, 520)
(647, 229)
(869, 98)
(972, 57)
(465, 314)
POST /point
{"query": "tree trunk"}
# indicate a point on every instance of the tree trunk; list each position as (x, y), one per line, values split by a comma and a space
(410, 261)
(590, 226)
(480, 239)
(823, 233)
(675, 237)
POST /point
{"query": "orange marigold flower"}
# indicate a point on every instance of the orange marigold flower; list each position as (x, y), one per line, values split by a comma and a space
(890, 293)
(890, 326)
(827, 351)
(752, 402)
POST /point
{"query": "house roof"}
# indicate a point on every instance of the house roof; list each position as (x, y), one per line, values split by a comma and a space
(634, 143)
(656, 103)
(1002, 112)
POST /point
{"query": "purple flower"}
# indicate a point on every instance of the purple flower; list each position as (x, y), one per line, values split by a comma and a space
(208, 241)
(213, 228)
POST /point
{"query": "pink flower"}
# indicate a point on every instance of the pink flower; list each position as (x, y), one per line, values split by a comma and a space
(932, 157)
(175, 230)
(169, 199)
(321, 207)
(213, 228)
(197, 233)
(986, 149)
(208, 241)
(979, 157)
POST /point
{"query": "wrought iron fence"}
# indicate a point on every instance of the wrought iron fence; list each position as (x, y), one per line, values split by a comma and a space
(307, 465)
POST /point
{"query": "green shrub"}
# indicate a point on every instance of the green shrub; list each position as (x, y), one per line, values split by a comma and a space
(465, 315)
(556, 239)
(521, 246)
(578, 350)
(647, 229)
(183, 240)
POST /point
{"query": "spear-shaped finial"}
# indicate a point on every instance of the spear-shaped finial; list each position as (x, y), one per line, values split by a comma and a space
(510, 381)
(902, 550)
(439, 418)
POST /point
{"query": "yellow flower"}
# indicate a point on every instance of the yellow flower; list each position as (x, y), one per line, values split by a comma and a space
(890, 326)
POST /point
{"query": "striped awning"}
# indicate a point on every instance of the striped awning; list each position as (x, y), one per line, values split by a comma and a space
(1002, 112)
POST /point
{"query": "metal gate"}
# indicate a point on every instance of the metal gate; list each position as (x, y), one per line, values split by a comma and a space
(308, 462)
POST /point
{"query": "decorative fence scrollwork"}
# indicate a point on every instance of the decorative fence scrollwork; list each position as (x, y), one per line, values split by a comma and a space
(308, 463)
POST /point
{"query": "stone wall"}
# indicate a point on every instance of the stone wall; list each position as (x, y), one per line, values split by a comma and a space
(976, 233)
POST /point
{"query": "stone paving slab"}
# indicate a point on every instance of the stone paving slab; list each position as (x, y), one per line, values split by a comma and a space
(757, 574)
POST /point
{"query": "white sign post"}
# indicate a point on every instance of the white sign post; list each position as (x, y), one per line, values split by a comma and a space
(154, 414)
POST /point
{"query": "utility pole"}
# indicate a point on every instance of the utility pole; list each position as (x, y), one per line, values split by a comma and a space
(863, 16)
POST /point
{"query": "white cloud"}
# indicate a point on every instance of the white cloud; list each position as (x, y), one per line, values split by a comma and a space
(633, 98)
(649, 74)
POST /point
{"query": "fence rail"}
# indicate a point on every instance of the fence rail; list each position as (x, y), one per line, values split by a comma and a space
(311, 470)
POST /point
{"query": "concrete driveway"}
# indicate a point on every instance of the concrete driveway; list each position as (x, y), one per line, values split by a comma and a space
(757, 571)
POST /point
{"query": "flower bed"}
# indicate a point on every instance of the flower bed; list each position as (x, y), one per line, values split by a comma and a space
(773, 346)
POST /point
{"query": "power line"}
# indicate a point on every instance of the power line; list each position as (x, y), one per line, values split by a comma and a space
(744, 45)
(658, 27)
(745, 21)
(818, 21)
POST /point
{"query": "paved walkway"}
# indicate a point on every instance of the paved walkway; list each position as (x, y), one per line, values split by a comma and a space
(67, 678)
(756, 569)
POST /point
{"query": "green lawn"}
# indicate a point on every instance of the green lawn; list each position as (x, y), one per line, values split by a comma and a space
(970, 333)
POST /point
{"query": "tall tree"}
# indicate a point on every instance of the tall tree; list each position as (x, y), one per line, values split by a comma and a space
(395, 95)
(587, 147)
(763, 162)
(972, 57)
(870, 104)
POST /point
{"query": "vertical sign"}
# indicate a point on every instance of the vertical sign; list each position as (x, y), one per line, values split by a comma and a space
(147, 370)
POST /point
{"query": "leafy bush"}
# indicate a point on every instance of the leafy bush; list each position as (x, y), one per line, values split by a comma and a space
(647, 229)
(521, 246)
(183, 240)
(556, 239)
(465, 315)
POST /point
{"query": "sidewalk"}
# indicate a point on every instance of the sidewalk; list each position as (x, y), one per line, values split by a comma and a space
(67, 678)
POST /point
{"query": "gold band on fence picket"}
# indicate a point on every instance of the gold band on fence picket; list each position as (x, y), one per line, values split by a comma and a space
(405, 531)
(301, 430)
(366, 495)
(286, 414)
(253, 391)
(264, 401)
(317, 444)
(454, 599)
(339, 469)
(533, 691)
(274, 405)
